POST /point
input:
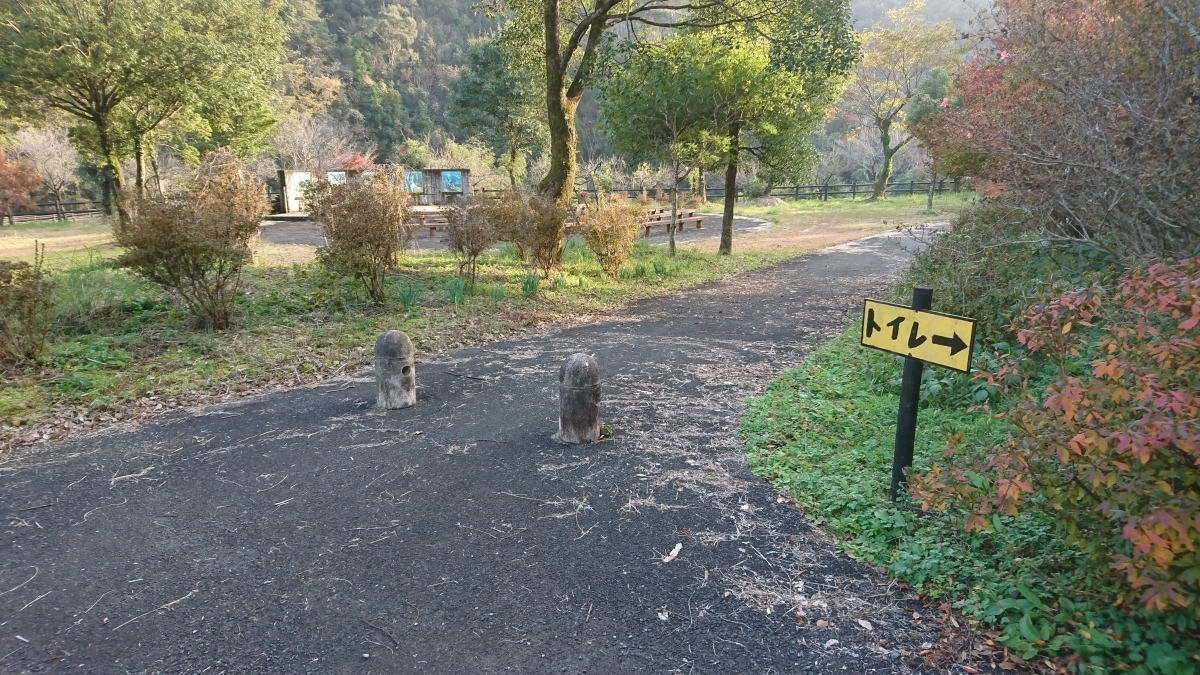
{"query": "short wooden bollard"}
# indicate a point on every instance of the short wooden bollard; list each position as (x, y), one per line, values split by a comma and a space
(395, 371)
(578, 400)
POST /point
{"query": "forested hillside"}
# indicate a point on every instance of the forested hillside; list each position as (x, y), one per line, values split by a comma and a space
(386, 65)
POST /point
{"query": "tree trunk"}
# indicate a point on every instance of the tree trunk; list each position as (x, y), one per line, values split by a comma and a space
(885, 171)
(703, 187)
(932, 184)
(560, 180)
(106, 194)
(512, 167)
(112, 171)
(674, 212)
(59, 213)
(158, 188)
(139, 161)
(731, 172)
(770, 187)
(560, 107)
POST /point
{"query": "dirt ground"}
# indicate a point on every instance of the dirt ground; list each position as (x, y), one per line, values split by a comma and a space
(307, 532)
(282, 236)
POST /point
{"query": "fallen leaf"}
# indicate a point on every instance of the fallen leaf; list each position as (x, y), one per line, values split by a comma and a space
(1008, 665)
(866, 624)
(663, 615)
(830, 643)
(673, 554)
(822, 623)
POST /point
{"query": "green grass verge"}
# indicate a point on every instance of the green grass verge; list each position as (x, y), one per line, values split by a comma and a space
(824, 432)
(118, 341)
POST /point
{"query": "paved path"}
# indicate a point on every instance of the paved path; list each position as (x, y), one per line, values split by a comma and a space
(305, 532)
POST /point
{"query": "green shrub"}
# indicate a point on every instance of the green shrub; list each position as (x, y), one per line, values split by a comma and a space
(610, 228)
(410, 294)
(26, 299)
(1108, 452)
(366, 228)
(660, 267)
(456, 290)
(529, 285)
(196, 243)
(496, 292)
(989, 266)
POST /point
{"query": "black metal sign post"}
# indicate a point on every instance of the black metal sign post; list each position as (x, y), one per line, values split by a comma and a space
(921, 336)
(910, 395)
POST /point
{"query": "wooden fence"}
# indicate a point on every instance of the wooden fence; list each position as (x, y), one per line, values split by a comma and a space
(820, 192)
(46, 211)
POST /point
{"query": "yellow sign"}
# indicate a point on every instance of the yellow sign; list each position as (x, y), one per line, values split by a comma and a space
(933, 337)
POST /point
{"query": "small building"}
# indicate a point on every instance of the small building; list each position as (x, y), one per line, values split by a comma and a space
(438, 186)
(428, 186)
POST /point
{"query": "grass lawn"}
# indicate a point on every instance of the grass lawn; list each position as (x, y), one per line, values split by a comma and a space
(68, 243)
(902, 210)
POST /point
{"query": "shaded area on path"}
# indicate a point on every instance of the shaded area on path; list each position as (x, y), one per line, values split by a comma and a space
(307, 532)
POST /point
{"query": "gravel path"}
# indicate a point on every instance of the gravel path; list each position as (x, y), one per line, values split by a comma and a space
(305, 532)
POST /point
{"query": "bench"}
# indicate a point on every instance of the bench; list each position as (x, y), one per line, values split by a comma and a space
(432, 222)
(682, 220)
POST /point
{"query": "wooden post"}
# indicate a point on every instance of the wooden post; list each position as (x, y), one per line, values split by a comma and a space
(853, 188)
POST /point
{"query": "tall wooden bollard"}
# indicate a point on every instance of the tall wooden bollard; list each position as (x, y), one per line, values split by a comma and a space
(395, 371)
(578, 400)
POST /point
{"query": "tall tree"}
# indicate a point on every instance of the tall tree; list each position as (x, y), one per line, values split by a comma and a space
(769, 111)
(500, 105)
(568, 38)
(661, 103)
(125, 66)
(896, 61)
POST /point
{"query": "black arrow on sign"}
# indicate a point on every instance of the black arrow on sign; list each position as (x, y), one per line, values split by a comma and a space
(955, 343)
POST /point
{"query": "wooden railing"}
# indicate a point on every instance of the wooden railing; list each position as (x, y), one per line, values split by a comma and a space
(821, 192)
(47, 211)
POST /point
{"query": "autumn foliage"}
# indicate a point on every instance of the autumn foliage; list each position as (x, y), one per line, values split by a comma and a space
(1111, 449)
(1084, 111)
(18, 180)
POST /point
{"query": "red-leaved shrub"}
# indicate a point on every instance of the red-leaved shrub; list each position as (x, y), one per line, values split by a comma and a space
(1111, 449)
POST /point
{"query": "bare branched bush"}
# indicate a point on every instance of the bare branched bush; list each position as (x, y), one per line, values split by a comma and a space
(26, 297)
(470, 231)
(609, 229)
(194, 244)
(513, 220)
(365, 223)
(549, 225)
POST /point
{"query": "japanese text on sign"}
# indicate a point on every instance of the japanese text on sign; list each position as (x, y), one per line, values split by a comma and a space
(941, 339)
